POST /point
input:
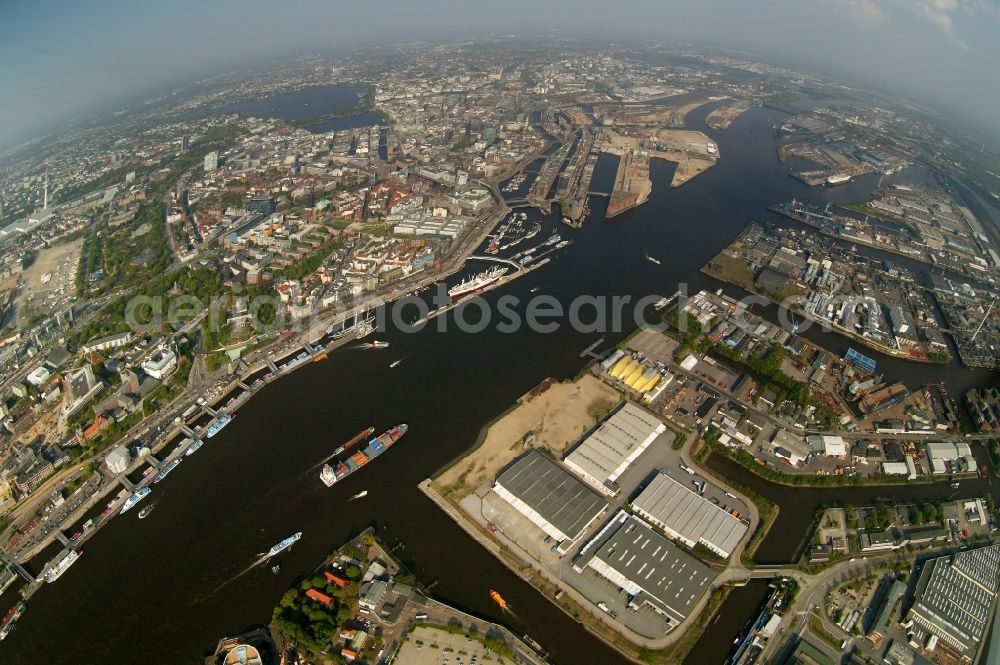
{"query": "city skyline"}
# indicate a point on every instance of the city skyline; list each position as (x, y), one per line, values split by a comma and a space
(938, 52)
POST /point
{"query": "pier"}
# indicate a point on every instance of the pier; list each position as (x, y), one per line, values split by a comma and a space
(589, 351)
(495, 259)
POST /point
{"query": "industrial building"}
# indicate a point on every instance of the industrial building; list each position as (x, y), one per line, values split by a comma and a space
(831, 446)
(953, 599)
(654, 572)
(948, 457)
(637, 374)
(605, 453)
(688, 516)
(550, 496)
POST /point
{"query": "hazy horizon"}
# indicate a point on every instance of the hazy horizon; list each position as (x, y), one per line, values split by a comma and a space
(60, 59)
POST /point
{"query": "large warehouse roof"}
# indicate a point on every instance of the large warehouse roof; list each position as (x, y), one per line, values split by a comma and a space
(954, 596)
(604, 455)
(649, 567)
(549, 495)
(688, 516)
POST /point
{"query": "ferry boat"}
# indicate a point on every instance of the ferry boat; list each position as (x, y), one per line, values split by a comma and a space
(165, 471)
(136, 497)
(217, 426)
(60, 564)
(198, 443)
(284, 544)
(477, 282)
(332, 474)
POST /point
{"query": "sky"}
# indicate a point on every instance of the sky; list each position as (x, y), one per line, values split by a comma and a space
(60, 58)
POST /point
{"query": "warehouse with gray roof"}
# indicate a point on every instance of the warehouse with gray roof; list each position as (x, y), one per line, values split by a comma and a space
(954, 597)
(604, 455)
(688, 516)
(653, 571)
(551, 497)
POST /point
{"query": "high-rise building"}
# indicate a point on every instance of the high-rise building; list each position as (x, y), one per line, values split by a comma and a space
(212, 160)
(185, 142)
(263, 204)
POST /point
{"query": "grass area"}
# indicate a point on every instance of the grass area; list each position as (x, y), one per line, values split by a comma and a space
(816, 628)
(730, 269)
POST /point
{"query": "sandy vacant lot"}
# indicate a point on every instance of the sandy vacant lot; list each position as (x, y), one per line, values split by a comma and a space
(38, 298)
(557, 417)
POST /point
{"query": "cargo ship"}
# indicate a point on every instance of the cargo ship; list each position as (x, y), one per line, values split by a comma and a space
(59, 565)
(217, 426)
(136, 497)
(477, 282)
(333, 474)
(198, 443)
(165, 471)
(284, 544)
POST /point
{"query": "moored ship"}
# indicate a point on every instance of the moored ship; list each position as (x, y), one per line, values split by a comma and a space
(136, 497)
(165, 471)
(198, 443)
(59, 565)
(477, 282)
(217, 426)
(9, 619)
(334, 473)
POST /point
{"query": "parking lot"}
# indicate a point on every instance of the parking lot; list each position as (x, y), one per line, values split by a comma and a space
(433, 646)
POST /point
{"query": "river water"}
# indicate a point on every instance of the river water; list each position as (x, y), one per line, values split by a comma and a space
(163, 590)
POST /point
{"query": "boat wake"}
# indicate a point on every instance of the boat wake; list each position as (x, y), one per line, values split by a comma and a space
(261, 559)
